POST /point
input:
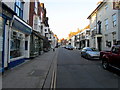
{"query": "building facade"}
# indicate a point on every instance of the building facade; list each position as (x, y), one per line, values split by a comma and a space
(6, 15)
(84, 37)
(104, 26)
(16, 33)
(36, 37)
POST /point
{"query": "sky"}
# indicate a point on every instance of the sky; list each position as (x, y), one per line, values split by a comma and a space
(67, 16)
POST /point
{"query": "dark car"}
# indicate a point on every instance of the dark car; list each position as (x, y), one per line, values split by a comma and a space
(111, 58)
(69, 47)
(90, 53)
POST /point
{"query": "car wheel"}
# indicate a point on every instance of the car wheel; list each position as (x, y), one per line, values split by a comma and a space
(81, 55)
(105, 64)
(88, 56)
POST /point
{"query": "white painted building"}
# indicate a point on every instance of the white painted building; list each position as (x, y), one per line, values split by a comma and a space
(72, 41)
(17, 34)
(84, 38)
(104, 26)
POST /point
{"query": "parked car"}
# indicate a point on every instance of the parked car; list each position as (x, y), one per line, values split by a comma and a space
(63, 46)
(90, 53)
(111, 58)
(69, 47)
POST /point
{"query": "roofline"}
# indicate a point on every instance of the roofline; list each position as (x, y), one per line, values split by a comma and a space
(98, 7)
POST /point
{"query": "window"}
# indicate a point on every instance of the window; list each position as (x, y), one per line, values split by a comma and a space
(106, 24)
(19, 8)
(45, 30)
(106, 7)
(114, 20)
(36, 6)
(35, 23)
(16, 44)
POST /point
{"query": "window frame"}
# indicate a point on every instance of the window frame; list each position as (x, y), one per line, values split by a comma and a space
(19, 7)
(106, 24)
(114, 20)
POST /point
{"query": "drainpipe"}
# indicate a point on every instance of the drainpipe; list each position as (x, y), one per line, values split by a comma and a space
(96, 32)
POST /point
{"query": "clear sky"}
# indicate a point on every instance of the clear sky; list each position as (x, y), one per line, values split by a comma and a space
(68, 15)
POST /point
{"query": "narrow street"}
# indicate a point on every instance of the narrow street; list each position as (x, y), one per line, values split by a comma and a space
(42, 41)
(73, 71)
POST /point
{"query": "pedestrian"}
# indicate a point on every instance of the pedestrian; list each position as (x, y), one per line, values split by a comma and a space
(53, 49)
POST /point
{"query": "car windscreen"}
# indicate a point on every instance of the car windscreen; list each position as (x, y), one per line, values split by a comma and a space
(94, 49)
(88, 49)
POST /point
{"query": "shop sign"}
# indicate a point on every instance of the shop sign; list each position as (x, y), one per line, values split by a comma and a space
(21, 26)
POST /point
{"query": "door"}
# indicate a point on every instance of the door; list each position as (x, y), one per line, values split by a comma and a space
(99, 43)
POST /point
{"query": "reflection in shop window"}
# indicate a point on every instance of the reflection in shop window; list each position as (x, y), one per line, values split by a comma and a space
(16, 45)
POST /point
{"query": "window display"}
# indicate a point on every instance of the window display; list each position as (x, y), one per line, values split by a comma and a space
(17, 44)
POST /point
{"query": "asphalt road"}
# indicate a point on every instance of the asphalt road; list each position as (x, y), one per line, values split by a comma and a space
(73, 71)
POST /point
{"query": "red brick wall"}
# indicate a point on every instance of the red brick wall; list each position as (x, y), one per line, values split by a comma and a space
(31, 12)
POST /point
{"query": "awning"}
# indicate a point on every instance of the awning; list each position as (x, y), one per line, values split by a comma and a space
(21, 25)
(38, 34)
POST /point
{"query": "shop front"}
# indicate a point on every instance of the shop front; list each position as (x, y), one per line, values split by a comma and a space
(19, 42)
(1, 41)
(36, 44)
(6, 15)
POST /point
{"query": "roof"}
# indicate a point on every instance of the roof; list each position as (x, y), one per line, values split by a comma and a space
(98, 7)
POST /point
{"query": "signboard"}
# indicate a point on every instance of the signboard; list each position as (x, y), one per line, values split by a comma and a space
(21, 27)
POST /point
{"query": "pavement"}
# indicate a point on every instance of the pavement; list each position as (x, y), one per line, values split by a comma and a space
(39, 73)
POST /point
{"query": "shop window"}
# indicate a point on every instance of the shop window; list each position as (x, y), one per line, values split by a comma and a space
(16, 45)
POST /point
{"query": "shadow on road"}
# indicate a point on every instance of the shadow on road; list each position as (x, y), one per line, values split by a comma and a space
(115, 71)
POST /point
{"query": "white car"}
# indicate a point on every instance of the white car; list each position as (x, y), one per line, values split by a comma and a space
(90, 53)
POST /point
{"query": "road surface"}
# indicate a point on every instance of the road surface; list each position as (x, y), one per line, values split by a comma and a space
(73, 71)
